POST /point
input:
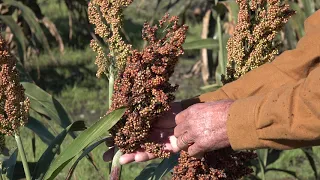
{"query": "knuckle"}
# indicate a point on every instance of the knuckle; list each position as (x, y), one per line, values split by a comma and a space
(178, 118)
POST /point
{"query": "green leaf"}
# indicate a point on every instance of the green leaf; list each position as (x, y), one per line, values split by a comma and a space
(147, 172)
(282, 170)
(37, 127)
(17, 35)
(45, 104)
(263, 156)
(165, 166)
(158, 170)
(312, 158)
(309, 7)
(212, 87)
(297, 21)
(83, 140)
(29, 16)
(202, 44)
(9, 164)
(84, 154)
(233, 9)
(54, 147)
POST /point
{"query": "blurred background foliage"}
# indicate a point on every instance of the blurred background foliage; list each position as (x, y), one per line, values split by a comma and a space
(50, 39)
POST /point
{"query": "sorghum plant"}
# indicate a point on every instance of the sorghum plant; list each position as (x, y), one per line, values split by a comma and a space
(107, 16)
(252, 45)
(144, 85)
(14, 106)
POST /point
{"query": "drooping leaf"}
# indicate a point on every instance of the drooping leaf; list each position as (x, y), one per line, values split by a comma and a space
(84, 153)
(83, 140)
(54, 32)
(29, 16)
(165, 166)
(147, 172)
(202, 44)
(38, 128)
(17, 35)
(45, 104)
(54, 147)
(9, 164)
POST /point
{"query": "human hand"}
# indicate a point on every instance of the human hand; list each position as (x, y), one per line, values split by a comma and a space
(202, 127)
(161, 132)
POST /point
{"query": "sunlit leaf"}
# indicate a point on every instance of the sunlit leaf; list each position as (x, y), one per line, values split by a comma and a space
(45, 104)
(54, 147)
(84, 154)
(83, 140)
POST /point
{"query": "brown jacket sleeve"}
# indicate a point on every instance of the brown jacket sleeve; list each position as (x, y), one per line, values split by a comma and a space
(256, 121)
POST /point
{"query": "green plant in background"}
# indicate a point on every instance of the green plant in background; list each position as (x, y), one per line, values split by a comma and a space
(24, 26)
(49, 120)
(14, 106)
(14, 113)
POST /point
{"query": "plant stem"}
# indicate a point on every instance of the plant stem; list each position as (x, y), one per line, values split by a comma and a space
(23, 157)
(111, 83)
(116, 168)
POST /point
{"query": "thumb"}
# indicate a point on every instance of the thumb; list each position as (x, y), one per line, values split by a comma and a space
(174, 143)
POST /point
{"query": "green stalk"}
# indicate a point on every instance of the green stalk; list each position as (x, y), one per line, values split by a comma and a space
(111, 83)
(115, 172)
(23, 157)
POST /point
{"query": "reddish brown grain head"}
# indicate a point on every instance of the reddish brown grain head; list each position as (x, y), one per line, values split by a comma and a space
(14, 105)
(144, 85)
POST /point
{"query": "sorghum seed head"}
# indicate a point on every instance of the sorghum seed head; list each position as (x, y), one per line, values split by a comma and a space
(144, 86)
(14, 106)
(107, 16)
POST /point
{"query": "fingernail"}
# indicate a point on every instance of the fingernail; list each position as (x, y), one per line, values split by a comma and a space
(122, 161)
(173, 142)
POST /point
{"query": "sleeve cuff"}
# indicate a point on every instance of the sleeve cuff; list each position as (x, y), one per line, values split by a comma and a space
(241, 128)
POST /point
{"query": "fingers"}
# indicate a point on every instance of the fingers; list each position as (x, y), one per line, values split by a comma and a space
(173, 141)
(127, 158)
(181, 116)
(143, 156)
(139, 156)
(180, 129)
(196, 151)
(184, 141)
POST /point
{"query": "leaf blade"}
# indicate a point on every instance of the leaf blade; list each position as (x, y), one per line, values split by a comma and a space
(83, 140)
